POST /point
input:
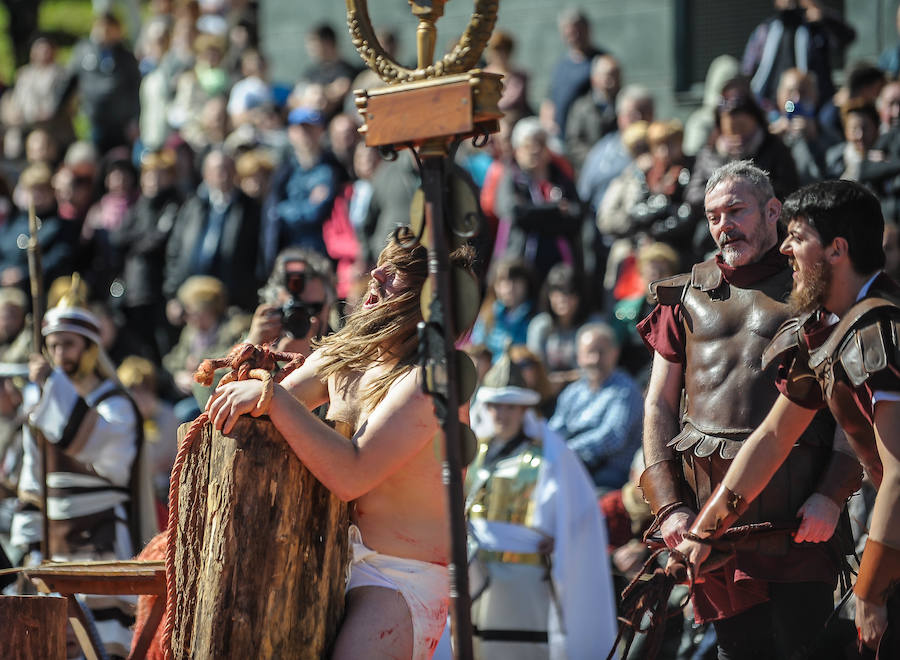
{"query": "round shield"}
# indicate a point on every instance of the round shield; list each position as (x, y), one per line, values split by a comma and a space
(463, 214)
(466, 300)
(468, 444)
(417, 216)
(466, 376)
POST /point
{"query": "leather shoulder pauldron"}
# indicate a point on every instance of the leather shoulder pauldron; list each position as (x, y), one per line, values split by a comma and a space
(864, 343)
(787, 338)
(669, 291)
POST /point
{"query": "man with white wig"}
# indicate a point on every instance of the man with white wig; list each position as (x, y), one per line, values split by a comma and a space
(93, 435)
(541, 582)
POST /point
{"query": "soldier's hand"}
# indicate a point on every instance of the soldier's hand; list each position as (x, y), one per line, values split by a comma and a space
(629, 557)
(871, 622)
(38, 368)
(820, 516)
(676, 524)
(695, 553)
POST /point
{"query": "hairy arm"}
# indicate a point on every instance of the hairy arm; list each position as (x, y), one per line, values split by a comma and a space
(885, 525)
(661, 409)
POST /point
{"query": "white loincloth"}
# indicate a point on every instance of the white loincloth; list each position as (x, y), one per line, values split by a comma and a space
(424, 586)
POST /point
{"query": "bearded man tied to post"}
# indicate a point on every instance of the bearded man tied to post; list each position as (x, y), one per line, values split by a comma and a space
(707, 393)
(378, 452)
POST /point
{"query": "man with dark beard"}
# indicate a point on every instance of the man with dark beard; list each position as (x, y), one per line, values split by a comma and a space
(385, 462)
(841, 351)
(707, 392)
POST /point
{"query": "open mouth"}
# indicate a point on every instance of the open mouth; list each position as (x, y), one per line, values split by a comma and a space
(371, 300)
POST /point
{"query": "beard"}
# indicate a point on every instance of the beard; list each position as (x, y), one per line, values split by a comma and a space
(740, 254)
(810, 289)
(69, 367)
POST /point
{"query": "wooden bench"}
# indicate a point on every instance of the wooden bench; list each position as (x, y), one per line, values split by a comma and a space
(107, 578)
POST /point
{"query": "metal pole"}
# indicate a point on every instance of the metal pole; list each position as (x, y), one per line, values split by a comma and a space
(447, 405)
(36, 280)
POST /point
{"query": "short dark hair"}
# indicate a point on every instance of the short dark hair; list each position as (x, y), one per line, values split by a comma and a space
(846, 209)
(563, 277)
(860, 107)
(325, 32)
(109, 18)
(861, 75)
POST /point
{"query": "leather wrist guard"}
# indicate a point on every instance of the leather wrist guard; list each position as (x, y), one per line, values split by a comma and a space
(718, 514)
(879, 572)
(661, 486)
(842, 477)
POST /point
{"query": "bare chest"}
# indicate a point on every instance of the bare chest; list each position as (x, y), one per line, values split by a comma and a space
(346, 398)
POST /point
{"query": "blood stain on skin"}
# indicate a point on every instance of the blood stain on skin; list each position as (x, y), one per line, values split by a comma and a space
(385, 633)
(406, 539)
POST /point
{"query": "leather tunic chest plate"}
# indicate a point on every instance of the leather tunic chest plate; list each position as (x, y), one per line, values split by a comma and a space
(727, 328)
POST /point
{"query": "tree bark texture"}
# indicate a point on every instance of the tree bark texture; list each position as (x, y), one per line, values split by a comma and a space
(33, 627)
(262, 550)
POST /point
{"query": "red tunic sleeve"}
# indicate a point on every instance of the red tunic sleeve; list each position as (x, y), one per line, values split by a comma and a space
(662, 332)
(811, 398)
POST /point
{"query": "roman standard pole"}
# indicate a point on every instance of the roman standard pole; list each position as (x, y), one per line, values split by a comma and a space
(36, 280)
(427, 110)
(442, 361)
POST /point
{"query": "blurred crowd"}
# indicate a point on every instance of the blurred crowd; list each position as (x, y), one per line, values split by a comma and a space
(208, 205)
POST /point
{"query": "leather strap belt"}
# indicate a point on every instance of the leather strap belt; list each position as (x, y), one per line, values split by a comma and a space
(529, 558)
(500, 635)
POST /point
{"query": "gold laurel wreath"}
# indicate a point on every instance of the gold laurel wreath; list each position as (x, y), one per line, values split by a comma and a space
(461, 58)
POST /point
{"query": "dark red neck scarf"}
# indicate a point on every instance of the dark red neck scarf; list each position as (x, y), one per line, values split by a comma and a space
(743, 276)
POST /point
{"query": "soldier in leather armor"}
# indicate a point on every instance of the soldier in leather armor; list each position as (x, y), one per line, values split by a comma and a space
(707, 393)
(840, 351)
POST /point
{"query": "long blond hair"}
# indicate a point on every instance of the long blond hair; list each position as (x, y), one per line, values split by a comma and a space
(385, 334)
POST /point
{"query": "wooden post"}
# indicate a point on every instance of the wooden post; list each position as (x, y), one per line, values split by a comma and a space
(262, 550)
(33, 627)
